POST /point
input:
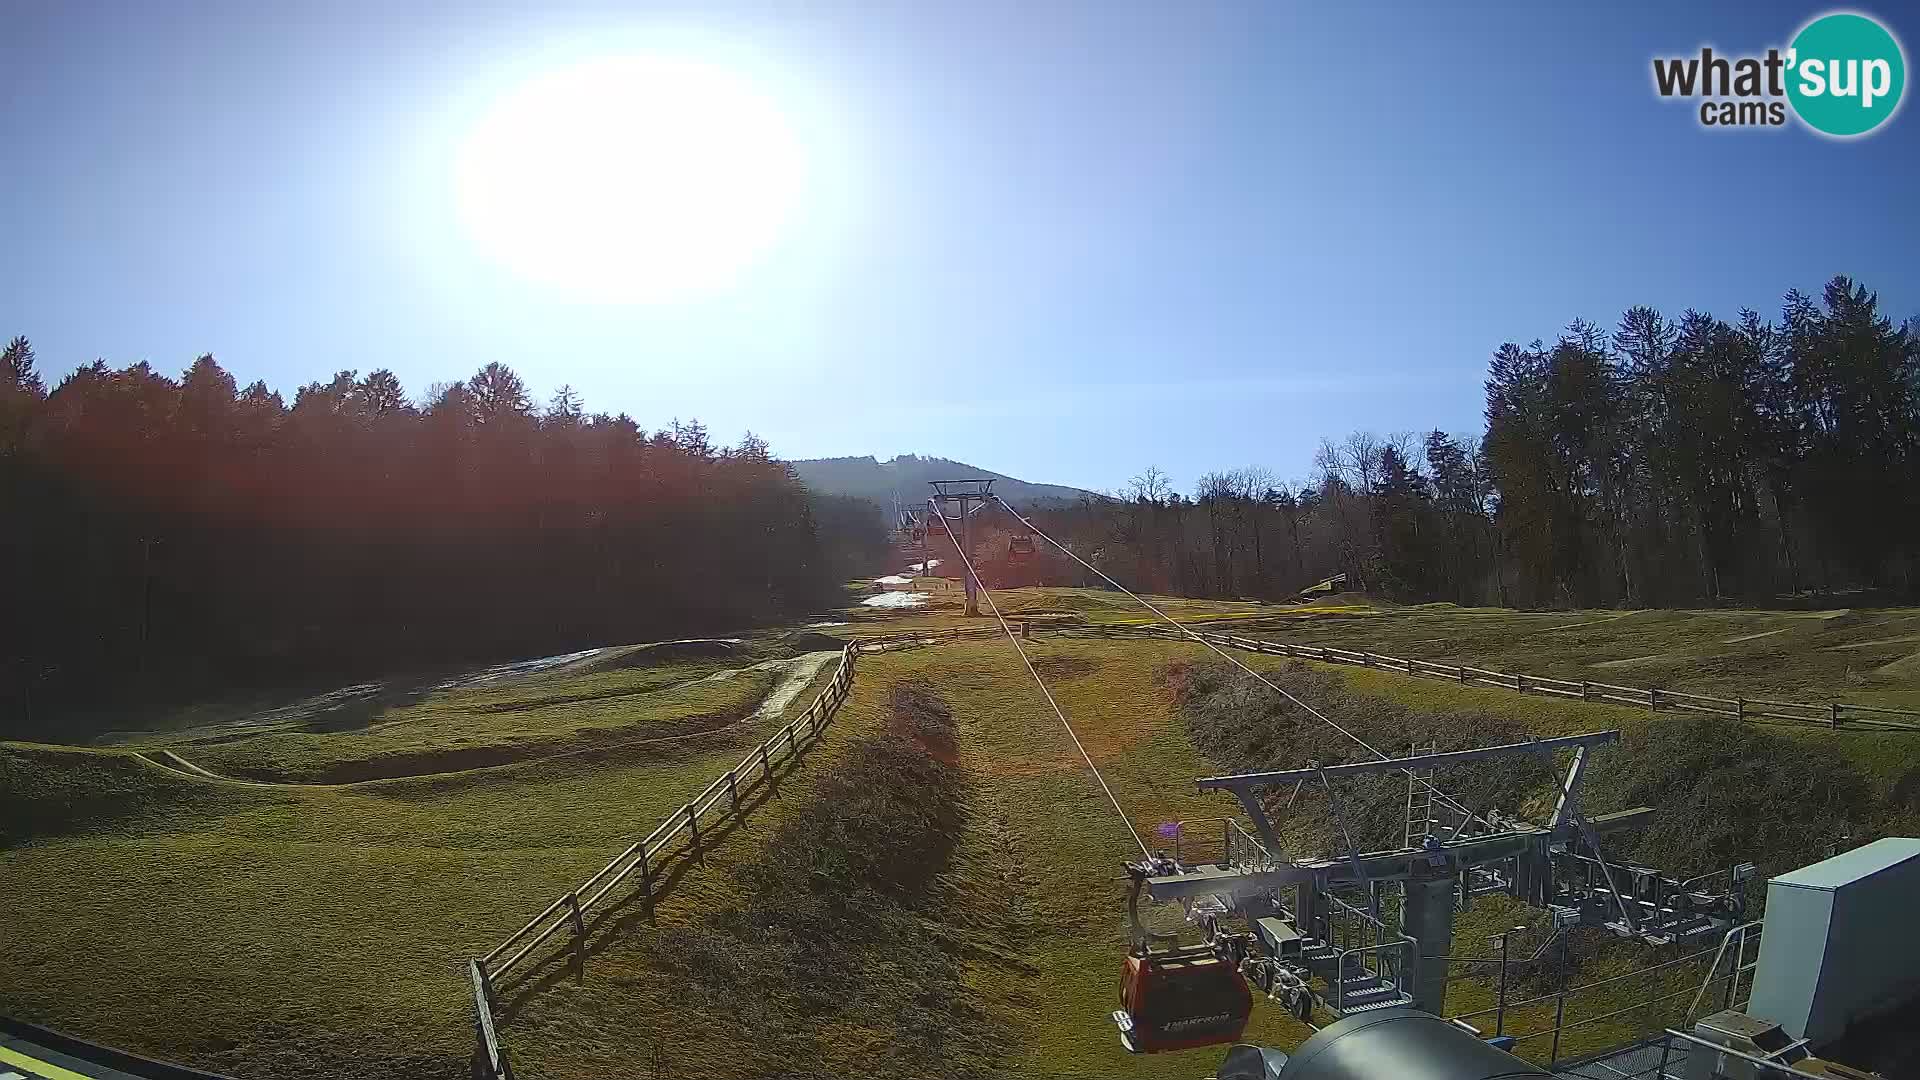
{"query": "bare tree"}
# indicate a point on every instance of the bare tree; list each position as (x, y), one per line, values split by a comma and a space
(1152, 485)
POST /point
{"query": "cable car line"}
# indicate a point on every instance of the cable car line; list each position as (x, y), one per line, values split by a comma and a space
(967, 562)
(1234, 660)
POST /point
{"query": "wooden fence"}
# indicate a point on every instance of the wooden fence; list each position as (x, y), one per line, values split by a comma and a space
(1832, 715)
(645, 856)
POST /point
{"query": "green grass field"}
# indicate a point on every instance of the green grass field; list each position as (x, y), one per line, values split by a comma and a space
(1866, 657)
(477, 728)
(312, 930)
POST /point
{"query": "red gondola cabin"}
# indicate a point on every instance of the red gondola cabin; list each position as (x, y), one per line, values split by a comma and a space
(1181, 999)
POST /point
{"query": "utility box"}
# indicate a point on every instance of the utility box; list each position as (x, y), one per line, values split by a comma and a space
(1738, 1031)
(1839, 941)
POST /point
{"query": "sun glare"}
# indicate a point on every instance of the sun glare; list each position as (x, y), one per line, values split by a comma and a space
(630, 179)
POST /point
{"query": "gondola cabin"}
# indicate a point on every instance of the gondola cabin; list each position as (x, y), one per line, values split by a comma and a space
(1019, 548)
(1181, 999)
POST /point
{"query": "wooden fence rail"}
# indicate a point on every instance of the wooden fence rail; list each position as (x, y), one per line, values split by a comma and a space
(1832, 715)
(568, 912)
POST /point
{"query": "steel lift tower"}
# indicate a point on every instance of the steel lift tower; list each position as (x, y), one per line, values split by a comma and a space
(1316, 926)
(961, 499)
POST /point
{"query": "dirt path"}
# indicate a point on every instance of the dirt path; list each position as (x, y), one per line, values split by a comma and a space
(800, 672)
(173, 764)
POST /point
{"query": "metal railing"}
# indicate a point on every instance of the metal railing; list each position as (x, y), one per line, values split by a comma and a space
(1649, 1011)
(1668, 1056)
(1740, 966)
(1192, 843)
(1365, 947)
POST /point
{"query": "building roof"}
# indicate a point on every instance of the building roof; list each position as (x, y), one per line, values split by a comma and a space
(1850, 866)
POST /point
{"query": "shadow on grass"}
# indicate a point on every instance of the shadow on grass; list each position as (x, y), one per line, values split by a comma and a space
(606, 925)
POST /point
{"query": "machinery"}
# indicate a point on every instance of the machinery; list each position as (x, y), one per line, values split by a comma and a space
(1364, 932)
(1388, 1044)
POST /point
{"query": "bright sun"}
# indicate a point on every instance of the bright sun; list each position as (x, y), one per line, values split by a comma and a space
(630, 178)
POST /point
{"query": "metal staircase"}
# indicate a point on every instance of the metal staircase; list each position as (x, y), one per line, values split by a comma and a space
(1360, 962)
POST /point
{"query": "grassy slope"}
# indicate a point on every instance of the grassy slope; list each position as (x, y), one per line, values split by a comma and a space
(289, 932)
(760, 969)
(1034, 797)
(478, 727)
(1035, 895)
(1857, 656)
(215, 891)
(946, 600)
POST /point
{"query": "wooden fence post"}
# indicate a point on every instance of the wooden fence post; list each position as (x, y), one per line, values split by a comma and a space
(646, 878)
(491, 1060)
(579, 934)
(693, 826)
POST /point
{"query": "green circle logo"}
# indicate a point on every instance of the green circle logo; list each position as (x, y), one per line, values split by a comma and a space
(1845, 74)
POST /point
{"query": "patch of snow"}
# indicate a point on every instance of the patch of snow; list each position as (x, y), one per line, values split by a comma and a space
(524, 667)
(896, 600)
(893, 579)
(1754, 637)
(798, 676)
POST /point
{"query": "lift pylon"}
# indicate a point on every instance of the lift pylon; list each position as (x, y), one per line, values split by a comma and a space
(1318, 923)
(960, 499)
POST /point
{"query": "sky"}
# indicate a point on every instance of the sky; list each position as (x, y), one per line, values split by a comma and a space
(1060, 241)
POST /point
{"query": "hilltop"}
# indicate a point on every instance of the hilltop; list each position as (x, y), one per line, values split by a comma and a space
(870, 478)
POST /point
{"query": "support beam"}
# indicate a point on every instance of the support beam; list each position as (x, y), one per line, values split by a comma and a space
(1250, 802)
(1423, 761)
(1428, 919)
(1569, 802)
(1377, 865)
(1624, 903)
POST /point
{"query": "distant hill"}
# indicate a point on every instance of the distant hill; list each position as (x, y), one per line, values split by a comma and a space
(867, 478)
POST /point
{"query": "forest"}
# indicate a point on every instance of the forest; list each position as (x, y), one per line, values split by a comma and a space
(1665, 463)
(166, 537)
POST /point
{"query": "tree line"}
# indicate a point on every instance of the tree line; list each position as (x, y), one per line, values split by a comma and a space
(1666, 462)
(169, 536)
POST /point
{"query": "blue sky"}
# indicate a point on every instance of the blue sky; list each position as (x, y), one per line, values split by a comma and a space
(1060, 241)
